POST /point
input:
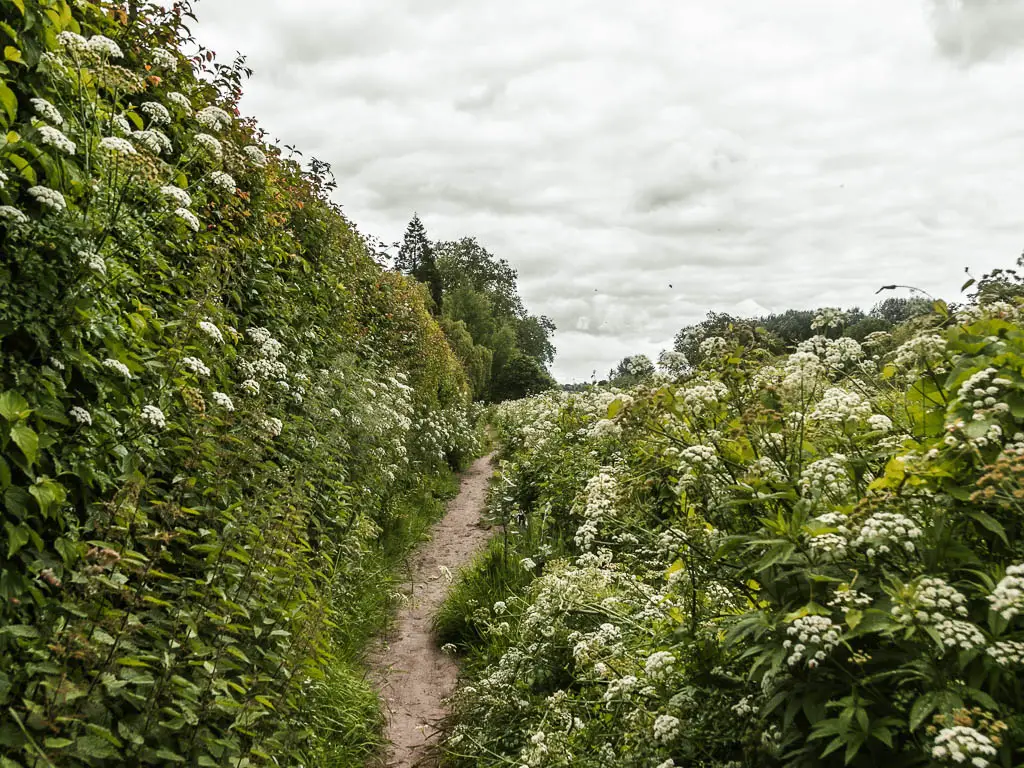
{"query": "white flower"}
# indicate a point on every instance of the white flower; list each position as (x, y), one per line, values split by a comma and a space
(156, 112)
(816, 636)
(196, 366)
(154, 416)
(335, 413)
(4, 178)
(13, 215)
(165, 60)
(256, 156)
(223, 401)
(47, 111)
(1007, 653)
(121, 124)
(81, 415)
(117, 367)
(56, 364)
(212, 331)
(251, 386)
(93, 261)
(117, 145)
(104, 46)
(176, 195)
(53, 137)
(214, 118)
(223, 181)
(73, 42)
(659, 665)
(180, 100)
(272, 426)
(880, 422)
(48, 198)
(960, 743)
(666, 728)
(188, 217)
(154, 141)
(1008, 597)
(210, 145)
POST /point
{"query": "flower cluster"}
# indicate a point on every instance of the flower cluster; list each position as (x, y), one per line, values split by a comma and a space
(117, 145)
(196, 366)
(930, 601)
(213, 118)
(839, 406)
(961, 743)
(48, 198)
(212, 331)
(1007, 598)
(812, 638)
(154, 416)
(884, 530)
(224, 401)
(53, 137)
(117, 367)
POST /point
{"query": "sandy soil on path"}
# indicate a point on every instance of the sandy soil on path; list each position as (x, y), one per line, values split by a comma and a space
(411, 672)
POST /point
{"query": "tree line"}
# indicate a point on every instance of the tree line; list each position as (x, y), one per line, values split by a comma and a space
(474, 295)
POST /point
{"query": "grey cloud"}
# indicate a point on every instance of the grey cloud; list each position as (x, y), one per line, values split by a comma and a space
(973, 30)
(786, 153)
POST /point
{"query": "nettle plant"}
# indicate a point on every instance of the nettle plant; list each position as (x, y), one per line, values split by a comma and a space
(213, 406)
(807, 561)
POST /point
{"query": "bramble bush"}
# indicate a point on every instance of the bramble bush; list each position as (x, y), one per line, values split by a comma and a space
(220, 419)
(808, 560)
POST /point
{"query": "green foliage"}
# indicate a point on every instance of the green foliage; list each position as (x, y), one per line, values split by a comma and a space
(808, 561)
(220, 420)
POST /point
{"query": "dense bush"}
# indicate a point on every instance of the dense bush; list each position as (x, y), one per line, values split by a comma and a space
(812, 560)
(219, 418)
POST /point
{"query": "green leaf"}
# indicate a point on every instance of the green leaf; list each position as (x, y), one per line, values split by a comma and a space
(13, 54)
(990, 523)
(5, 474)
(20, 5)
(22, 631)
(17, 537)
(8, 101)
(923, 707)
(26, 438)
(13, 406)
(55, 743)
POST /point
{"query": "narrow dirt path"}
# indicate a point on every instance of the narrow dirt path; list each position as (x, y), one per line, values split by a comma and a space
(411, 672)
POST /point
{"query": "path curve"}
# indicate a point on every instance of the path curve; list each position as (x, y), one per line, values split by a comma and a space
(412, 674)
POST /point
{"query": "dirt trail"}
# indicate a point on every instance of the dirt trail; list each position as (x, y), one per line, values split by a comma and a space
(411, 672)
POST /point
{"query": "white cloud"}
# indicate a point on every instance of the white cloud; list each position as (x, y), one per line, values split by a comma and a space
(786, 153)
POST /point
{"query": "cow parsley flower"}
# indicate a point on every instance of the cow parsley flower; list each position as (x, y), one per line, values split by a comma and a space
(188, 217)
(839, 406)
(212, 331)
(197, 366)
(884, 530)
(659, 665)
(930, 601)
(12, 215)
(223, 401)
(1008, 597)
(53, 137)
(272, 426)
(156, 112)
(72, 41)
(80, 415)
(251, 386)
(56, 364)
(4, 178)
(256, 156)
(121, 125)
(104, 46)
(117, 367)
(94, 262)
(666, 728)
(1007, 653)
(117, 145)
(176, 195)
(210, 145)
(335, 413)
(48, 198)
(960, 634)
(165, 60)
(961, 743)
(213, 118)
(925, 351)
(180, 100)
(880, 423)
(47, 111)
(154, 416)
(810, 636)
(154, 141)
(826, 476)
(223, 181)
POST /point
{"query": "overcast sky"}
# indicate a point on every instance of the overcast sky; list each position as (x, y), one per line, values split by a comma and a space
(640, 163)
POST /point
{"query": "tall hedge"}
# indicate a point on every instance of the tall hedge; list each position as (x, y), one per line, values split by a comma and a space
(213, 404)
